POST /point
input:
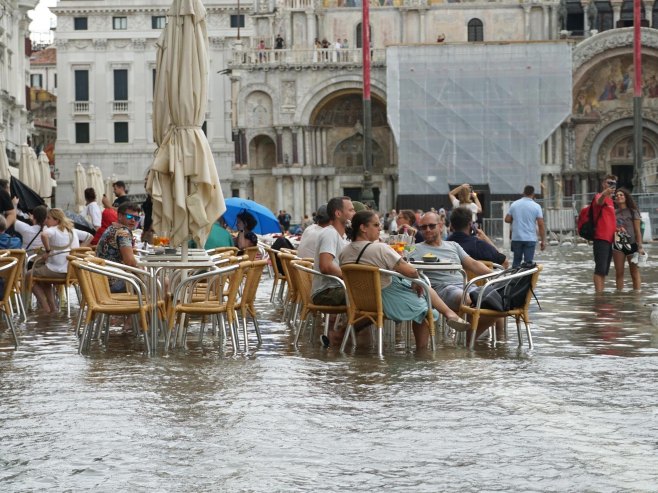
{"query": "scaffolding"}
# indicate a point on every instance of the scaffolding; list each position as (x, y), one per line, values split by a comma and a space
(475, 113)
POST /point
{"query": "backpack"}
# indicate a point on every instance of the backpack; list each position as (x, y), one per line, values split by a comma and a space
(508, 295)
(586, 224)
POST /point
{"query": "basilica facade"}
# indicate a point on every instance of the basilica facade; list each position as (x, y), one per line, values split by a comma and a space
(285, 113)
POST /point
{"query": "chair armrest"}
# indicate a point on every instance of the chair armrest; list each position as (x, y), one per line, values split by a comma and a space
(495, 278)
(318, 273)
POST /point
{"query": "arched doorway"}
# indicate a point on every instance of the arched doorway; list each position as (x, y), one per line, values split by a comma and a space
(262, 152)
(262, 158)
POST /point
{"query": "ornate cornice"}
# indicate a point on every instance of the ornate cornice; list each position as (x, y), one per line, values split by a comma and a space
(609, 40)
(64, 11)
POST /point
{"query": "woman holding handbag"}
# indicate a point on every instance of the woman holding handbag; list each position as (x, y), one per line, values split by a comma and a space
(58, 238)
(628, 239)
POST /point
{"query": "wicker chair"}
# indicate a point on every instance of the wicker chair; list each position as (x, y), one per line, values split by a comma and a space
(93, 276)
(19, 280)
(246, 304)
(364, 300)
(475, 312)
(186, 300)
(279, 277)
(292, 301)
(302, 273)
(8, 273)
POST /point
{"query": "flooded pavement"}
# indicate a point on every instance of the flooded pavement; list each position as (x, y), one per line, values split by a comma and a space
(577, 413)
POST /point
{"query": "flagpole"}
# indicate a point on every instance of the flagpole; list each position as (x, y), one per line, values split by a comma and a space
(637, 94)
(367, 196)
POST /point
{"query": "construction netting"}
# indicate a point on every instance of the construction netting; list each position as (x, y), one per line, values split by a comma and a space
(475, 113)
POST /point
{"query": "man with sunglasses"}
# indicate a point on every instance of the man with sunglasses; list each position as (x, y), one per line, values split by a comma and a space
(449, 285)
(605, 225)
(117, 242)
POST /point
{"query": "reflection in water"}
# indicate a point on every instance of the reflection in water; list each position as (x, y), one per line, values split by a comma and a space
(576, 413)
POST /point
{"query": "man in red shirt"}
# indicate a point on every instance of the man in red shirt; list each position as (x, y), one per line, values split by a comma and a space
(605, 224)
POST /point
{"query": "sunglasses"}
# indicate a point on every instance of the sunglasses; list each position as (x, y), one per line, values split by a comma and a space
(611, 183)
(428, 226)
(131, 217)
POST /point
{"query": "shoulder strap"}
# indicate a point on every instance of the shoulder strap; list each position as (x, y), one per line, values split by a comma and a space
(34, 238)
(361, 252)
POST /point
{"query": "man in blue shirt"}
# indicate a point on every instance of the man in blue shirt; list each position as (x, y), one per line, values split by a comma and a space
(478, 246)
(6, 240)
(526, 218)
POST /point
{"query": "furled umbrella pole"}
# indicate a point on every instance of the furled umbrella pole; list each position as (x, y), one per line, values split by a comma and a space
(45, 181)
(80, 182)
(29, 168)
(184, 185)
(4, 162)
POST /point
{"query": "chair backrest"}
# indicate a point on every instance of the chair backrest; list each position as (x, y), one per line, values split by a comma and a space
(214, 251)
(286, 259)
(8, 273)
(85, 282)
(252, 281)
(273, 254)
(302, 280)
(20, 255)
(252, 252)
(364, 292)
(470, 274)
(533, 286)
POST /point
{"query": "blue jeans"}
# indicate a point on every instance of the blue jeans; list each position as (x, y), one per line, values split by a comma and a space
(524, 251)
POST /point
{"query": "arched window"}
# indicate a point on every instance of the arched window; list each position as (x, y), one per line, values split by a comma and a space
(626, 14)
(475, 30)
(359, 36)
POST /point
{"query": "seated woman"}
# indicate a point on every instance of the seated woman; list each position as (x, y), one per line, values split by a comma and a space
(31, 233)
(58, 238)
(246, 237)
(406, 222)
(401, 300)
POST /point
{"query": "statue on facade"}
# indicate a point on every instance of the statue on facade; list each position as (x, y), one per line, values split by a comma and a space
(592, 14)
(562, 13)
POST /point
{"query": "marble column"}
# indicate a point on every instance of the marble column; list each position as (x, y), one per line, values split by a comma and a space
(526, 22)
(308, 147)
(294, 157)
(310, 29)
(586, 25)
(279, 193)
(325, 160)
(236, 147)
(279, 145)
(616, 13)
(298, 199)
(309, 205)
(546, 18)
(243, 146)
(318, 147)
(549, 150)
(421, 21)
(242, 189)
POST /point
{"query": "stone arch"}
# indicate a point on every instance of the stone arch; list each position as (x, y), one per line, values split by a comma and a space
(259, 110)
(262, 152)
(256, 92)
(352, 83)
(348, 154)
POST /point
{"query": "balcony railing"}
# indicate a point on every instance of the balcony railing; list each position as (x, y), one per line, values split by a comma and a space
(81, 107)
(120, 107)
(298, 4)
(329, 56)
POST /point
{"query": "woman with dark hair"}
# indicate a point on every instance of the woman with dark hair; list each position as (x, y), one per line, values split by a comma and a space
(401, 301)
(628, 225)
(31, 234)
(406, 222)
(92, 211)
(246, 238)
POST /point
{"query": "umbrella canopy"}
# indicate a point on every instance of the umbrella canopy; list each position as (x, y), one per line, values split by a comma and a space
(28, 199)
(4, 162)
(45, 181)
(79, 186)
(80, 222)
(108, 190)
(184, 186)
(267, 221)
(29, 168)
(95, 181)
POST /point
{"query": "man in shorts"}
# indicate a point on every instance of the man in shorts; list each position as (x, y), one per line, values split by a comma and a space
(449, 285)
(116, 244)
(605, 224)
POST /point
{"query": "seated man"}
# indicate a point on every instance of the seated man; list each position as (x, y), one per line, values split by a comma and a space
(448, 284)
(478, 246)
(6, 240)
(116, 244)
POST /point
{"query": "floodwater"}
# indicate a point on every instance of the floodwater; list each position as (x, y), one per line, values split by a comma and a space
(577, 413)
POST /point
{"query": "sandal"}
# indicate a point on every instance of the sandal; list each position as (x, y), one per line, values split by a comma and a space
(459, 324)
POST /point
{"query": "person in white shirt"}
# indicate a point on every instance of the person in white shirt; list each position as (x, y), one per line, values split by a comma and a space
(308, 244)
(92, 211)
(31, 233)
(58, 238)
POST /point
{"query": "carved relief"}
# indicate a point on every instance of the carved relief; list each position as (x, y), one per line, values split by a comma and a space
(288, 89)
(81, 44)
(259, 109)
(615, 38)
(139, 44)
(100, 44)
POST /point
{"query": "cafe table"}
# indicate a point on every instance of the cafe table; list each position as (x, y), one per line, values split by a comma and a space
(159, 266)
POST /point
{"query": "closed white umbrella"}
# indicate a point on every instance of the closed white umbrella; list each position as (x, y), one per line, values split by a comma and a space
(187, 197)
(4, 162)
(108, 190)
(79, 188)
(45, 181)
(28, 168)
(96, 183)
